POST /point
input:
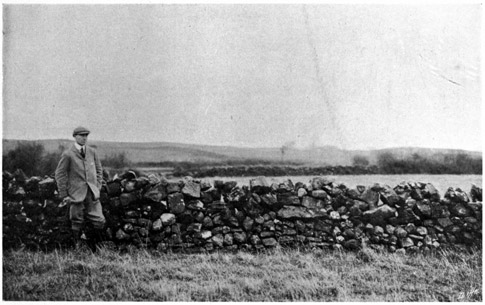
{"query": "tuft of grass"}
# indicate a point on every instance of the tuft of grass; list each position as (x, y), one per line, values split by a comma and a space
(277, 275)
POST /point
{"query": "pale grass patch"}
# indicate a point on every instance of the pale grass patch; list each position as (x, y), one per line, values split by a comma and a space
(277, 275)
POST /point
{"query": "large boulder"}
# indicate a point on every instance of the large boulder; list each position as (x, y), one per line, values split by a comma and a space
(371, 197)
(259, 185)
(167, 219)
(288, 212)
(389, 196)
(176, 204)
(476, 193)
(431, 193)
(191, 189)
(380, 215)
(288, 199)
(156, 193)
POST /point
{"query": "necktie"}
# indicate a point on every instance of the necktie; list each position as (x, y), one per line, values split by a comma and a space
(82, 152)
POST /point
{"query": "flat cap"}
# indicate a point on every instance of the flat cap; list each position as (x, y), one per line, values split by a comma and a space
(80, 130)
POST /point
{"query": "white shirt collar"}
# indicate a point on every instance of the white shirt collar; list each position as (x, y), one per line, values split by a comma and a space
(79, 146)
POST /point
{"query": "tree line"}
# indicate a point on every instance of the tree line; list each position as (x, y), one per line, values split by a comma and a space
(33, 160)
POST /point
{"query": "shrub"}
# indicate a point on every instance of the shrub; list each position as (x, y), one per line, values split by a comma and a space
(116, 161)
(27, 157)
(359, 160)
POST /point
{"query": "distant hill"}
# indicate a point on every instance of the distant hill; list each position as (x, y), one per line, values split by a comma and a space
(177, 152)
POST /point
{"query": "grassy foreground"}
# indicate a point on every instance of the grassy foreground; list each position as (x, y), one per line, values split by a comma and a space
(279, 275)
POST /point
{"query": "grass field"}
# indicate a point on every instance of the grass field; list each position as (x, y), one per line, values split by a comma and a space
(279, 275)
(441, 182)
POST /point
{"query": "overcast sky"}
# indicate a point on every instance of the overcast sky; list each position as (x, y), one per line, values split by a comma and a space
(353, 76)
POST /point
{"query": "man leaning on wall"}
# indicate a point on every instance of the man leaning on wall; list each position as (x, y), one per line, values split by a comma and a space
(79, 177)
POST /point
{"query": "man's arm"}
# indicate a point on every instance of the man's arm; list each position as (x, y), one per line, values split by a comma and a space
(61, 175)
(99, 170)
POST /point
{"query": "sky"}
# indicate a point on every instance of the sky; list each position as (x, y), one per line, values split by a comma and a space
(248, 75)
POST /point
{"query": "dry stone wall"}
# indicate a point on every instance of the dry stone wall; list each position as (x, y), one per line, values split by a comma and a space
(201, 215)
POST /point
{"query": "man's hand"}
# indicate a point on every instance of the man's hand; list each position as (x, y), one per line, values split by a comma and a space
(65, 201)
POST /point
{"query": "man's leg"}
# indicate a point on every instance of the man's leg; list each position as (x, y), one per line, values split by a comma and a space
(76, 215)
(94, 214)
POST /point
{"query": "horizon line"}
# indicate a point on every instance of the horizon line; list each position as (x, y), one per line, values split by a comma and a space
(251, 147)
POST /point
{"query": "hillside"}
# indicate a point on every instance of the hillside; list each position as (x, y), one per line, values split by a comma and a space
(177, 152)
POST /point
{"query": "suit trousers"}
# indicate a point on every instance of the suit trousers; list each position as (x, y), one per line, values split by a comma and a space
(89, 209)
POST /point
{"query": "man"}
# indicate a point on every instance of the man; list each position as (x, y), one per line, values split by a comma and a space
(79, 176)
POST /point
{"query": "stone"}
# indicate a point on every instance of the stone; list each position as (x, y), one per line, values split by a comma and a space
(226, 229)
(320, 194)
(143, 222)
(173, 187)
(194, 227)
(406, 242)
(390, 229)
(334, 215)
(218, 240)
(240, 237)
(168, 219)
(128, 186)
(421, 231)
(228, 186)
(476, 193)
(266, 234)
(456, 195)
(143, 232)
(195, 205)
(471, 220)
(269, 225)
(121, 235)
(439, 211)
(269, 242)
(259, 185)
(352, 244)
(300, 226)
(127, 198)
(176, 204)
(301, 192)
(205, 185)
(286, 199)
(444, 222)
(288, 212)
(312, 203)
(407, 216)
(207, 222)
(459, 210)
(431, 193)
(248, 224)
(236, 195)
(380, 215)
(269, 200)
(400, 232)
(423, 208)
(157, 225)
(233, 221)
(255, 240)
(389, 196)
(378, 230)
(259, 220)
(415, 237)
(228, 239)
(410, 228)
(416, 194)
(288, 231)
(371, 197)
(132, 214)
(206, 234)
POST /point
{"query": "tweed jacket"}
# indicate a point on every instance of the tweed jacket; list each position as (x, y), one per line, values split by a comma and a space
(74, 175)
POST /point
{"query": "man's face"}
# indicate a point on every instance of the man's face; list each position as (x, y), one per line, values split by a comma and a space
(81, 139)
